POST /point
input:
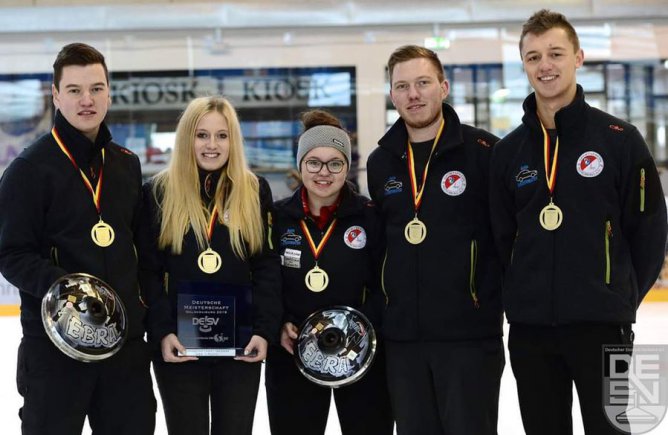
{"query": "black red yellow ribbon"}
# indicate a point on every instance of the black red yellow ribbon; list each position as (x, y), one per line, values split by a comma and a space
(316, 250)
(417, 193)
(97, 191)
(550, 169)
(212, 224)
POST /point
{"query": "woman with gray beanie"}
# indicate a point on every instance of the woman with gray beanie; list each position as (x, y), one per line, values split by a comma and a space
(325, 224)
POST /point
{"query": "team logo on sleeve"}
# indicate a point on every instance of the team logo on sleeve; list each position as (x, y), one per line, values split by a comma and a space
(526, 176)
(392, 186)
(355, 237)
(590, 164)
(291, 238)
(453, 183)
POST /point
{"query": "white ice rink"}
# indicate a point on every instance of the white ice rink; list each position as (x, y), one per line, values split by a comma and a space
(651, 328)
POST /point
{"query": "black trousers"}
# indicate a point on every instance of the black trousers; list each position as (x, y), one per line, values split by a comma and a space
(227, 386)
(547, 360)
(445, 388)
(59, 392)
(299, 406)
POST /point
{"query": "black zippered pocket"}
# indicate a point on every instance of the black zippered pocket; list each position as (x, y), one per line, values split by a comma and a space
(474, 263)
(54, 256)
(608, 250)
(382, 279)
(642, 190)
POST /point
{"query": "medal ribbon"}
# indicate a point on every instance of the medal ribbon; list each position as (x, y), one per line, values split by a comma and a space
(316, 250)
(550, 172)
(212, 225)
(417, 194)
(97, 192)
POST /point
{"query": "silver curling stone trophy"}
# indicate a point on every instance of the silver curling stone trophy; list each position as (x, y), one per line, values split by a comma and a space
(335, 346)
(84, 317)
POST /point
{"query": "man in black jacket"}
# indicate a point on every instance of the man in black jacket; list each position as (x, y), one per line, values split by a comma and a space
(580, 222)
(441, 276)
(52, 196)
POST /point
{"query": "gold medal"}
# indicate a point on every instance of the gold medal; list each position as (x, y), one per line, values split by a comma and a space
(316, 279)
(209, 261)
(551, 217)
(415, 231)
(102, 234)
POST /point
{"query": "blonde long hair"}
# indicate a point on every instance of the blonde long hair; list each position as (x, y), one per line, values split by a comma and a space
(179, 187)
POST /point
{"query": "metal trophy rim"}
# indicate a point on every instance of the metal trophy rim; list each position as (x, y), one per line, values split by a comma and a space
(373, 343)
(52, 330)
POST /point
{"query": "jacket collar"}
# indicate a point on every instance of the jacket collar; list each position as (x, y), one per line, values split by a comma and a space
(569, 120)
(348, 206)
(82, 149)
(396, 138)
(208, 181)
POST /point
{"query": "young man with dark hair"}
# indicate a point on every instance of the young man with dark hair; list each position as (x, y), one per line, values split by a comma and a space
(52, 197)
(441, 276)
(579, 219)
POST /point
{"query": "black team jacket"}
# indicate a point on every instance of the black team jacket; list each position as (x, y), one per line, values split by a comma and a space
(46, 216)
(163, 272)
(603, 259)
(449, 286)
(350, 257)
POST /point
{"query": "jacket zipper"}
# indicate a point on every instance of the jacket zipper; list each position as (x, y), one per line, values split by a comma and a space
(512, 251)
(474, 261)
(141, 293)
(166, 282)
(553, 292)
(642, 190)
(608, 236)
(382, 279)
(54, 256)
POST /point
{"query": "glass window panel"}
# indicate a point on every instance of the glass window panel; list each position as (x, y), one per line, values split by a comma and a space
(592, 78)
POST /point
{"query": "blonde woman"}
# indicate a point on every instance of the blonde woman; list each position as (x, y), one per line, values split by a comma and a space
(207, 202)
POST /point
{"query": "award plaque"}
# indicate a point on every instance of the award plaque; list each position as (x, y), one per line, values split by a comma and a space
(214, 319)
(84, 317)
(335, 346)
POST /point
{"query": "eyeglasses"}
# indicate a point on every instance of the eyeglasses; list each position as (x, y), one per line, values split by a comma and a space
(334, 166)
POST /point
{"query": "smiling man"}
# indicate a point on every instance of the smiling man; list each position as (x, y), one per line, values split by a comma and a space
(581, 241)
(69, 203)
(441, 276)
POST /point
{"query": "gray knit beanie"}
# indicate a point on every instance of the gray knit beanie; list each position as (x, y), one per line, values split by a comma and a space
(323, 136)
